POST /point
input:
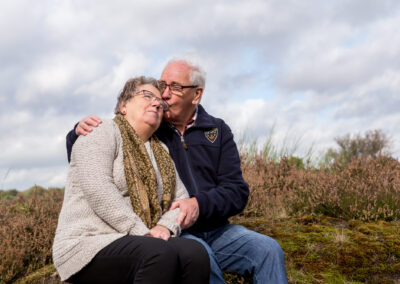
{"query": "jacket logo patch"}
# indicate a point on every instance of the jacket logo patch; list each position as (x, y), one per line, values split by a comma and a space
(211, 135)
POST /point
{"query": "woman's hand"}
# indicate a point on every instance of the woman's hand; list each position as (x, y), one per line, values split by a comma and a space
(160, 232)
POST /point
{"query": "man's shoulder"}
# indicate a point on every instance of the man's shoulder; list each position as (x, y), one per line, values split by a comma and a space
(207, 120)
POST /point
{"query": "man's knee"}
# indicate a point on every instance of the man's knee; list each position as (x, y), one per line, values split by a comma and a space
(257, 244)
(273, 247)
(268, 245)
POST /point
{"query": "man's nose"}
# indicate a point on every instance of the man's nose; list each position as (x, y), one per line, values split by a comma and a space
(166, 94)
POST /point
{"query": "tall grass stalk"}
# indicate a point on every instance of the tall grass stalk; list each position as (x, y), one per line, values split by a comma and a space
(273, 151)
(5, 177)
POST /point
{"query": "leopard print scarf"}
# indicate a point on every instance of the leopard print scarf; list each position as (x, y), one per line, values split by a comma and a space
(141, 177)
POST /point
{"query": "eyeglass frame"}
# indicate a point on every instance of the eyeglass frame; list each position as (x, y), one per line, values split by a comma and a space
(171, 90)
(162, 103)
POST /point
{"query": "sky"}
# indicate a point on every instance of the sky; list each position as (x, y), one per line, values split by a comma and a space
(297, 72)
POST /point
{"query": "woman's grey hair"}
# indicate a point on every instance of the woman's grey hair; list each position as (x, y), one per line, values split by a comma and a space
(197, 74)
(130, 89)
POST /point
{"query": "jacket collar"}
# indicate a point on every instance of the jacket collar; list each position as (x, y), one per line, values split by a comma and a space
(204, 120)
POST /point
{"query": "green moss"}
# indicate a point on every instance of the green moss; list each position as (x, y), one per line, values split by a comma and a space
(321, 249)
(233, 278)
(38, 276)
(335, 277)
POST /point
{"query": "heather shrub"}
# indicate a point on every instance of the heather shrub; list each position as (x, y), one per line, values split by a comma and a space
(27, 227)
(364, 189)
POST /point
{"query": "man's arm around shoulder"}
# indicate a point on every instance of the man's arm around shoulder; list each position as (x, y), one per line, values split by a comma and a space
(83, 127)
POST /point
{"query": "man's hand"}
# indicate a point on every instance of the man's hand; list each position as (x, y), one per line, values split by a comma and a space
(189, 211)
(160, 232)
(86, 125)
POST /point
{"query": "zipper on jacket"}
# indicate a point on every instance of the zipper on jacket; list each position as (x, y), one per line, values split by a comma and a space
(183, 142)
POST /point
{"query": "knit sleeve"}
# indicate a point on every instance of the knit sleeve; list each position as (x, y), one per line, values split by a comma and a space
(93, 159)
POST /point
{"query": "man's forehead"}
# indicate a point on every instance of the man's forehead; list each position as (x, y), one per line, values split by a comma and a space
(176, 70)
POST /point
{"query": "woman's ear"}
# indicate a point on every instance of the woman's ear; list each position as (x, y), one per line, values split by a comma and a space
(122, 109)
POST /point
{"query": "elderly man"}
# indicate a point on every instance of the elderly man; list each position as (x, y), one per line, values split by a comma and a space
(208, 163)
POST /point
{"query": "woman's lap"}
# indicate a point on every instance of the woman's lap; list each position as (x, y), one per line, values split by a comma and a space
(139, 259)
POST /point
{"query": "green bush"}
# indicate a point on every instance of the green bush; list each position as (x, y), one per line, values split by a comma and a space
(374, 143)
(8, 194)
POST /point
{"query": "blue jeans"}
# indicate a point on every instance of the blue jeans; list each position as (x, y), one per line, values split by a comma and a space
(234, 248)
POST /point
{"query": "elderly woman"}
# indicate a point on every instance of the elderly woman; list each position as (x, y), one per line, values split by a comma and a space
(115, 225)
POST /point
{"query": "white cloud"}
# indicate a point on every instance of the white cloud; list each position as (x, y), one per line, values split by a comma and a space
(314, 70)
(33, 141)
(46, 176)
(345, 56)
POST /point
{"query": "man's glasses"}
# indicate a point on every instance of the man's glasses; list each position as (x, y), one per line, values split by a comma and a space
(174, 88)
(149, 96)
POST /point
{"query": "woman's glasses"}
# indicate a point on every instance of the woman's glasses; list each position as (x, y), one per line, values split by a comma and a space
(149, 96)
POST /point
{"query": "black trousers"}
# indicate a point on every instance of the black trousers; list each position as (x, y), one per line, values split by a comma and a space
(139, 259)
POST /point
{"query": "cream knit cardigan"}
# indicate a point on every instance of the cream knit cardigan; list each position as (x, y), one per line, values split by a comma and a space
(97, 209)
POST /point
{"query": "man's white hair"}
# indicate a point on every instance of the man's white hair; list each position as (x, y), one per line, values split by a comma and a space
(197, 74)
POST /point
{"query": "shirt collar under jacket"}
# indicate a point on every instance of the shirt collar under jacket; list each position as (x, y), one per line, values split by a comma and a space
(189, 124)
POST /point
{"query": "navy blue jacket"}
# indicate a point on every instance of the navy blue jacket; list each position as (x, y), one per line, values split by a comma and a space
(209, 167)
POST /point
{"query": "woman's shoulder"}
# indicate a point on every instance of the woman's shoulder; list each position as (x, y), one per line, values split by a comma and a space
(104, 131)
(108, 125)
(103, 140)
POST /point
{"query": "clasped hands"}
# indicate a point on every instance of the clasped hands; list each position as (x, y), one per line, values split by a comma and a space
(159, 231)
(189, 212)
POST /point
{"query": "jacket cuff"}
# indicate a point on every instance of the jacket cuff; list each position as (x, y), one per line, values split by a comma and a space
(72, 134)
(202, 201)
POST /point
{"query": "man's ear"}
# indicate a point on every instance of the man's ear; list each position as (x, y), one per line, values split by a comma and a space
(197, 95)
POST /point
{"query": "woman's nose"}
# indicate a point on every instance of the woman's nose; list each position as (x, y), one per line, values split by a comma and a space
(156, 102)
